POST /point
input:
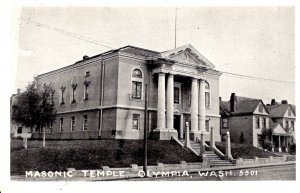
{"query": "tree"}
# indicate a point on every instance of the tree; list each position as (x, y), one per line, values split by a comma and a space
(242, 139)
(34, 108)
(266, 138)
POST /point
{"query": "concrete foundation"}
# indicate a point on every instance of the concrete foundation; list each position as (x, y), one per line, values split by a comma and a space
(164, 134)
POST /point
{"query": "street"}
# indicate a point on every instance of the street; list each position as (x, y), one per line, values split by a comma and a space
(287, 172)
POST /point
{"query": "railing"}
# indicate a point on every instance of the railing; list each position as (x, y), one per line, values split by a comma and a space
(189, 148)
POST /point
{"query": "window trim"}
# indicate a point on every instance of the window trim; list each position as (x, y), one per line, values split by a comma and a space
(260, 108)
(85, 120)
(86, 90)
(73, 94)
(138, 121)
(207, 90)
(257, 122)
(136, 79)
(178, 85)
(73, 122)
(134, 94)
(61, 124)
(62, 98)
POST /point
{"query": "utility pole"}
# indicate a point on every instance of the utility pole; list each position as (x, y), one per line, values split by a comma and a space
(145, 131)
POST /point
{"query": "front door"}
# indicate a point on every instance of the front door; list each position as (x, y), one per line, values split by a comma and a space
(177, 124)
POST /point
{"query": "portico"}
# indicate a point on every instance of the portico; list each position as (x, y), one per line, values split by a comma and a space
(165, 116)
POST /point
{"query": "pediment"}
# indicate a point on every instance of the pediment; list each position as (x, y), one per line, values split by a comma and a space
(189, 55)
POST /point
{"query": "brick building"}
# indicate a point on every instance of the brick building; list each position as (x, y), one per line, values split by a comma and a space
(104, 96)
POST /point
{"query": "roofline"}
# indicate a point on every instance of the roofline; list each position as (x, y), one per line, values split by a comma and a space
(99, 55)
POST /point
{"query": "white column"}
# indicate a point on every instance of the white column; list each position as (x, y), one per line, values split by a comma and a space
(279, 141)
(187, 135)
(228, 147)
(161, 118)
(194, 105)
(201, 105)
(170, 101)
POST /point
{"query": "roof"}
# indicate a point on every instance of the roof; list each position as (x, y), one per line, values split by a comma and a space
(141, 52)
(277, 129)
(244, 105)
(190, 48)
(278, 110)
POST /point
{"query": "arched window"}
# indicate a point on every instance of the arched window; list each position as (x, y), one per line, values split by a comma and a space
(137, 73)
(207, 94)
(137, 84)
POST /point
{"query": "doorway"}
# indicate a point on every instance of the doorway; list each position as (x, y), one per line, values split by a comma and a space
(177, 124)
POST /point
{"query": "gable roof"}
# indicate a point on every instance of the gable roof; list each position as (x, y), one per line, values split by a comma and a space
(244, 105)
(277, 129)
(192, 50)
(278, 110)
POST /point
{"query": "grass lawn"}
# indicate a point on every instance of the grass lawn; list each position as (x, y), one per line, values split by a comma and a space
(245, 151)
(92, 154)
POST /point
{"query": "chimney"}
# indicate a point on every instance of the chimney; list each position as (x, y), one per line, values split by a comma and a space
(232, 102)
(284, 102)
(18, 91)
(273, 102)
(220, 99)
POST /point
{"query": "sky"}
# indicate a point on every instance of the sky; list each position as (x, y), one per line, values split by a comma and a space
(252, 41)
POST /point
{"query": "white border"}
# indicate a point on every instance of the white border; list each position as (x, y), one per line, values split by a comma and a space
(7, 83)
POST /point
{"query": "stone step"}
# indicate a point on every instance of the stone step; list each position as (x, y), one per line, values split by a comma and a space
(213, 158)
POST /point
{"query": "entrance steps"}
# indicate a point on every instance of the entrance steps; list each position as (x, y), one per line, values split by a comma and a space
(212, 158)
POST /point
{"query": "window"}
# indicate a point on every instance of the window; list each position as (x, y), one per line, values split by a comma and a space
(61, 124)
(72, 123)
(136, 90)
(137, 84)
(86, 90)
(135, 121)
(207, 94)
(19, 130)
(87, 74)
(73, 96)
(286, 124)
(289, 112)
(225, 123)
(292, 125)
(257, 122)
(264, 122)
(207, 99)
(85, 122)
(137, 73)
(63, 88)
(176, 95)
(207, 125)
(261, 108)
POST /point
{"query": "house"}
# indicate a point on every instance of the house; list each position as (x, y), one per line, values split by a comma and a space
(284, 114)
(103, 96)
(250, 121)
